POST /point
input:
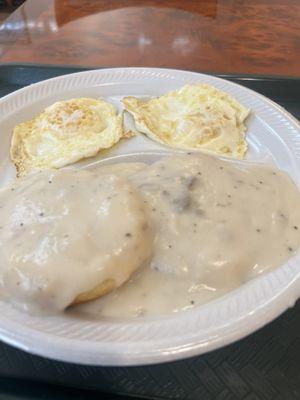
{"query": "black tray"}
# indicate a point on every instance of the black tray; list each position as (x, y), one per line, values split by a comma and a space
(263, 366)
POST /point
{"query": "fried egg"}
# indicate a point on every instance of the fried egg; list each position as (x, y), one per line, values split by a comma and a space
(193, 117)
(64, 133)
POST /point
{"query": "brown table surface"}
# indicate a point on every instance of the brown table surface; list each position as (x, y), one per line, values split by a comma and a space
(238, 36)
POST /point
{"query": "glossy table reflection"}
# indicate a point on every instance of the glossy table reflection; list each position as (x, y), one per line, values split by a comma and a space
(258, 36)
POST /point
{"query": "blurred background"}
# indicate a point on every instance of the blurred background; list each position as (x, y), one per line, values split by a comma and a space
(226, 36)
(7, 7)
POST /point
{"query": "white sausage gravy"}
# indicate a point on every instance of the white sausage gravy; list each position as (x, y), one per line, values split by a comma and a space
(186, 229)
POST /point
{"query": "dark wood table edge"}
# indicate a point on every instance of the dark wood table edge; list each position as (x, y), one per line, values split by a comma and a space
(246, 76)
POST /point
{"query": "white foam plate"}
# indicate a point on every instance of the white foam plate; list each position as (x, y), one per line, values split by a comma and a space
(273, 137)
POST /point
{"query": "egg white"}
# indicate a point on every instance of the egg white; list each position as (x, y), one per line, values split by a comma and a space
(193, 117)
(64, 133)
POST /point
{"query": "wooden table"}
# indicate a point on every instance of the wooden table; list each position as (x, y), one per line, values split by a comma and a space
(257, 36)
